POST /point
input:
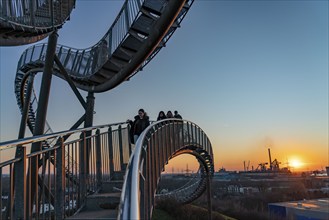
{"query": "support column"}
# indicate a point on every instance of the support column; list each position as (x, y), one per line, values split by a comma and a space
(42, 110)
(45, 85)
(60, 181)
(98, 148)
(20, 167)
(90, 109)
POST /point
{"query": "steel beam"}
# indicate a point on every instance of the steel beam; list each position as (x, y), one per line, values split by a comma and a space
(26, 107)
(20, 167)
(90, 110)
(42, 109)
(70, 82)
(60, 181)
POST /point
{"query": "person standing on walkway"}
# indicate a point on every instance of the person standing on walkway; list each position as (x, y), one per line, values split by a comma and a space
(161, 116)
(180, 124)
(177, 115)
(141, 121)
(169, 114)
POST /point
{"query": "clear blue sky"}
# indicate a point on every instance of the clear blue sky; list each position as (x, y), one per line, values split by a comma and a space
(247, 72)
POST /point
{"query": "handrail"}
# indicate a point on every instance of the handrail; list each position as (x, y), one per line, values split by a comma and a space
(79, 166)
(141, 172)
(13, 143)
(129, 5)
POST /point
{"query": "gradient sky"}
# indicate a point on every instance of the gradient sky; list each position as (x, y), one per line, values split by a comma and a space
(251, 74)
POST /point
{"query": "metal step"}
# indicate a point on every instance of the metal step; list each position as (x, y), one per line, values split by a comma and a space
(112, 186)
(143, 25)
(155, 7)
(118, 175)
(118, 62)
(99, 201)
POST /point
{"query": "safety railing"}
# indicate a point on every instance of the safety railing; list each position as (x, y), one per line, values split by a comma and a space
(155, 147)
(182, 194)
(82, 63)
(62, 180)
(35, 14)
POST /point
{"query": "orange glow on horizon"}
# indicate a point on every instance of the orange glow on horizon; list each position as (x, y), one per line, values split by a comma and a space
(296, 157)
(182, 164)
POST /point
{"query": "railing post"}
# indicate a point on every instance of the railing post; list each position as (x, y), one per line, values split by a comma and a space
(129, 142)
(110, 42)
(98, 159)
(187, 133)
(209, 196)
(193, 133)
(89, 123)
(121, 148)
(20, 183)
(127, 16)
(110, 151)
(82, 169)
(60, 181)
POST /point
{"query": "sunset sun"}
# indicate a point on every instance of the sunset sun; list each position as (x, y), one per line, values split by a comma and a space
(296, 163)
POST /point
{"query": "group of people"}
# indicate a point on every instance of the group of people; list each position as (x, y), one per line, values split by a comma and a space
(169, 114)
(142, 121)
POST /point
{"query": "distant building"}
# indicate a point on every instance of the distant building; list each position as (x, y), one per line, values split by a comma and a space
(317, 209)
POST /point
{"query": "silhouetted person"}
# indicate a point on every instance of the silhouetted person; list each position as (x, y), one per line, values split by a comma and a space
(169, 114)
(139, 124)
(177, 115)
(161, 116)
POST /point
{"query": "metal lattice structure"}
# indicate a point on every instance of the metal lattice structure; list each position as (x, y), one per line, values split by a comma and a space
(110, 154)
(100, 67)
(140, 30)
(62, 186)
(60, 174)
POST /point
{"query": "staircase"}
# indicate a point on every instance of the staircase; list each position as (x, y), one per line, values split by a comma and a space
(144, 28)
(138, 33)
(103, 204)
